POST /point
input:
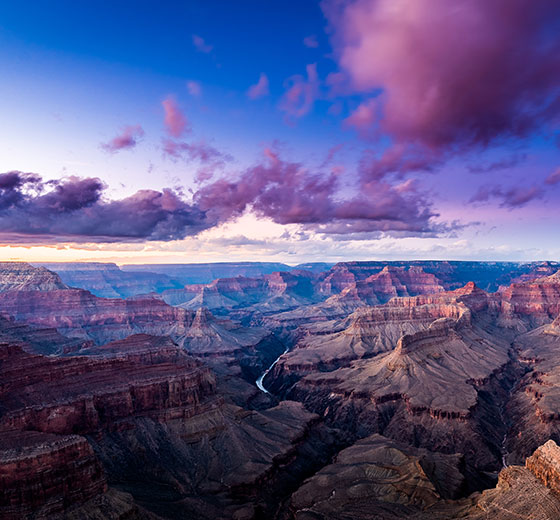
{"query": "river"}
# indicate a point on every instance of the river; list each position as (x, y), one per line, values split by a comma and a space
(259, 381)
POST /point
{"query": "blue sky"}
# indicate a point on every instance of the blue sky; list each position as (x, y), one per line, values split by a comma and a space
(76, 74)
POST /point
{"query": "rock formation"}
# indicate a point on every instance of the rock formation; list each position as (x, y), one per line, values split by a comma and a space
(19, 276)
(153, 417)
(537, 300)
(45, 474)
(390, 282)
(377, 478)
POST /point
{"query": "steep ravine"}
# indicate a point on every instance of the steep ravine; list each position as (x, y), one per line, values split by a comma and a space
(260, 381)
(489, 419)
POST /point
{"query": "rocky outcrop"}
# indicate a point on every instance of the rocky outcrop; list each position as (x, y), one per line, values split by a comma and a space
(369, 331)
(425, 392)
(390, 282)
(375, 475)
(141, 376)
(378, 478)
(210, 336)
(545, 465)
(19, 276)
(44, 474)
(537, 300)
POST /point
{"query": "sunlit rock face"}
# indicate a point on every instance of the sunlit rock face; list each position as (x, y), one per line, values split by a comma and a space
(538, 300)
(19, 276)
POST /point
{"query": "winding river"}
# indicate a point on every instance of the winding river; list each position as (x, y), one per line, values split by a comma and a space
(259, 381)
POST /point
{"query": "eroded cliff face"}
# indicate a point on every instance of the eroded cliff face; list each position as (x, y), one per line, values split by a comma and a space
(325, 345)
(367, 332)
(538, 301)
(389, 283)
(47, 469)
(425, 392)
(77, 313)
(80, 315)
(158, 428)
(452, 275)
(352, 292)
(19, 276)
(545, 465)
(45, 474)
(141, 376)
(534, 406)
(379, 478)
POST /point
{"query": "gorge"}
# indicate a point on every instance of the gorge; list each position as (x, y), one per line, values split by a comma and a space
(357, 391)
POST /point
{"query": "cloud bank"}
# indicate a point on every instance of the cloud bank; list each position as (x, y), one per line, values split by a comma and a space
(443, 76)
(36, 211)
(73, 209)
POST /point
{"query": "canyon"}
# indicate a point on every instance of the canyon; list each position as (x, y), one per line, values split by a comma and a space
(246, 391)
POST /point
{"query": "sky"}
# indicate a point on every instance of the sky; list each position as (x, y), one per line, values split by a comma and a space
(289, 131)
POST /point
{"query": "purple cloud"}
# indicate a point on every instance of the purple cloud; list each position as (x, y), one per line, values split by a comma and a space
(288, 193)
(174, 120)
(73, 209)
(200, 151)
(201, 45)
(210, 159)
(311, 41)
(450, 71)
(553, 178)
(443, 77)
(260, 89)
(33, 210)
(126, 140)
(515, 197)
(194, 88)
(301, 93)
